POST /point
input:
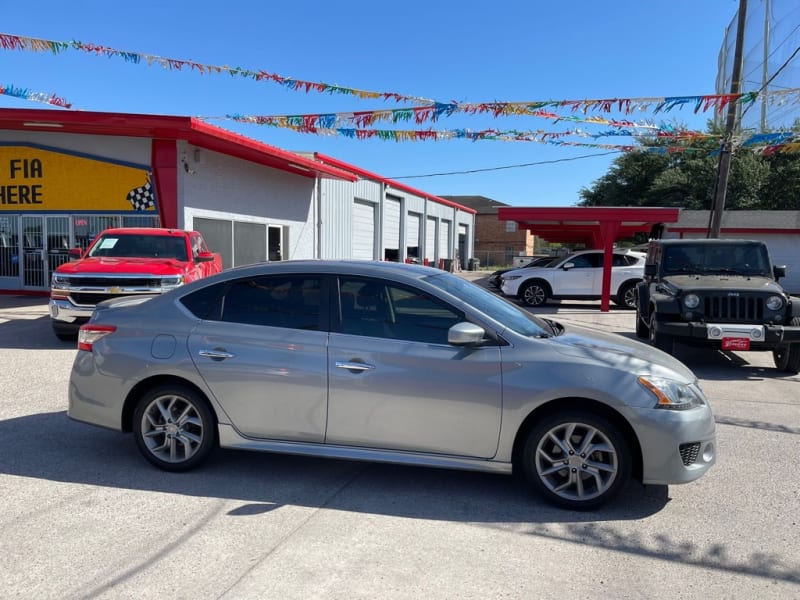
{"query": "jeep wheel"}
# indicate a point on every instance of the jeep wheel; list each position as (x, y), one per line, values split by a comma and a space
(533, 293)
(787, 356)
(642, 329)
(626, 296)
(662, 341)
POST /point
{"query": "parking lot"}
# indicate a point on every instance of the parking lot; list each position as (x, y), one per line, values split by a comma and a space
(85, 516)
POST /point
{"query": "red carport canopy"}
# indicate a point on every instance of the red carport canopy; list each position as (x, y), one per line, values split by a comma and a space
(592, 226)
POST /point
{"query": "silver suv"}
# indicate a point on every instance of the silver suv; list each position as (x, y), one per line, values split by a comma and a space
(578, 276)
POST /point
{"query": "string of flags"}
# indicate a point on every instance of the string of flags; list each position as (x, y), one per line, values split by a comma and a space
(430, 111)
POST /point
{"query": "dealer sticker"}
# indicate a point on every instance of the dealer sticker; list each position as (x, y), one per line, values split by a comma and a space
(735, 343)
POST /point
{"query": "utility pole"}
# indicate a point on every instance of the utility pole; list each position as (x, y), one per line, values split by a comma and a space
(724, 167)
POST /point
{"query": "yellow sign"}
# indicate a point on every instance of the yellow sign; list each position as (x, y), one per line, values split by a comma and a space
(37, 179)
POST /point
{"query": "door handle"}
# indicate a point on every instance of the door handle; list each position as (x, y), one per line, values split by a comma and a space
(216, 354)
(353, 366)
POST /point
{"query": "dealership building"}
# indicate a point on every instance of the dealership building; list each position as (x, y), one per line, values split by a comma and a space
(67, 175)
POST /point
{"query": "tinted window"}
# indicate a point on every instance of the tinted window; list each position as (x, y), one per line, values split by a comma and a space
(205, 302)
(378, 309)
(276, 301)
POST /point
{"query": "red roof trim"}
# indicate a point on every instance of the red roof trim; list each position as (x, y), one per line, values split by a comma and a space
(189, 129)
(395, 184)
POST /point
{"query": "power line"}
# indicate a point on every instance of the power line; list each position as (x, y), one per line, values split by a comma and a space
(533, 164)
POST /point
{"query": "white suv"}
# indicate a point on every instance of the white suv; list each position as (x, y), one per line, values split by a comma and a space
(578, 276)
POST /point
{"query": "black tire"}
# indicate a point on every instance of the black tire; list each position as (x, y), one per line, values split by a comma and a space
(642, 328)
(66, 332)
(787, 356)
(181, 441)
(662, 341)
(534, 293)
(587, 479)
(626, 296)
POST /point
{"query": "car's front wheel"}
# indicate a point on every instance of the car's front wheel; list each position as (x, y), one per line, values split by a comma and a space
(576, 460)
(787, 356)
(662, 341)
(533, 293)
(174, 427)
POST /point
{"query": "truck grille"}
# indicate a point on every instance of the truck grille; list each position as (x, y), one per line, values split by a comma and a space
(734, 308)
(143, 281)
(689, 453)
(92, 298)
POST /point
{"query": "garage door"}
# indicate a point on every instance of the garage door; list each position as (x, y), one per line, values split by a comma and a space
(391, 229)
(363, 230)
(412, 235)
(430, 239)
(444, 240)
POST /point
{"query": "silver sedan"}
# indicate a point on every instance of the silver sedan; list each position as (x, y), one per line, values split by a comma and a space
(388, 362)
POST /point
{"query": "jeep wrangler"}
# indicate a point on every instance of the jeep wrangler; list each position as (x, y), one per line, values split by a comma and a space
(720, 293)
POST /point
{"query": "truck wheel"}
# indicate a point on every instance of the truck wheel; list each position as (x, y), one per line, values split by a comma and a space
(626, 296)
(662, 341)
(66, 332)
(787, 356)
(533, 293)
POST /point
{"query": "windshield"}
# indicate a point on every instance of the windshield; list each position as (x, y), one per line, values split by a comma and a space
(491, 305)
(140, 246)
(736, 259)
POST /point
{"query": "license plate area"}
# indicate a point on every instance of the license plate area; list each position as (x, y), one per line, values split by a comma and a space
(735, 343)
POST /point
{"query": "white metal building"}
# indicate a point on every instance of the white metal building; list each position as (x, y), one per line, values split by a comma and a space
(65, 175)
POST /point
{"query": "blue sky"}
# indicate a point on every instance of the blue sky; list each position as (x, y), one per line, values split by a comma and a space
(468, 51)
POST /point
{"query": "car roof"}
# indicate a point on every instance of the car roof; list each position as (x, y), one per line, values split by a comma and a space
(365, 268)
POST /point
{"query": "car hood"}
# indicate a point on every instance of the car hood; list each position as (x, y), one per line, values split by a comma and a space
(150, 266)
(620, 352)
(723, 282)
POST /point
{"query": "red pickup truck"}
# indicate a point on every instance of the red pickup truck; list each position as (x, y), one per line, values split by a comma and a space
(125, 262)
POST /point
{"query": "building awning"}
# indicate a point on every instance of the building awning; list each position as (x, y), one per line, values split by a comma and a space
(592, 226)
(161, 127)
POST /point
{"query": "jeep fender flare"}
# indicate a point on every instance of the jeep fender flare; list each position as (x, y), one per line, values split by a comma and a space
(643, 299)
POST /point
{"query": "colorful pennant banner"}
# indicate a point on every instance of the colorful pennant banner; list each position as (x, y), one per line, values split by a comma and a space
(26, 94)
(431, 110)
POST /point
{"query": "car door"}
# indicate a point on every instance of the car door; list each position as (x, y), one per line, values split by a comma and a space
(263, 354)
(394, 381)
(582, 278)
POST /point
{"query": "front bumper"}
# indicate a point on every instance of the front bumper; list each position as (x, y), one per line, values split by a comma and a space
(678, 446)
(694, 331)
(64, 310)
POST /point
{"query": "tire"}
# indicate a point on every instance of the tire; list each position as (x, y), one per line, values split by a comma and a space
(787, 356)
(626, 296)
(174, 427)
(533, 293)
(66, 332)
(662, 341)
(642, 328)
(556, 464)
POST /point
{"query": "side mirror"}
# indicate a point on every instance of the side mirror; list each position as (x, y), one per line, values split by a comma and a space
(650, 270)
(204, 257)
(779, 271)
(465, 334)
(75, 253)
(568, 266)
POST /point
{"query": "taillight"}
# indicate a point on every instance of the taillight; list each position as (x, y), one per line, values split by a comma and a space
(88, 334)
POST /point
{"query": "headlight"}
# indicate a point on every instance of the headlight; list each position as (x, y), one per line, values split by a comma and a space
(691, 301)
(511, 277)
(672, 395)
(171, 282)
(774, 303)
(58, 280)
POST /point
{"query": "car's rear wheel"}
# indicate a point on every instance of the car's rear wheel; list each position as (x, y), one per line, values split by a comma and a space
(660, 340)
(626, 296)
(787, 356)
(576, 460)
(174, 428)
(534, 293)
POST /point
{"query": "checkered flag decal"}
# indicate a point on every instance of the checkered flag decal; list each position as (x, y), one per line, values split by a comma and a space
(142, 197)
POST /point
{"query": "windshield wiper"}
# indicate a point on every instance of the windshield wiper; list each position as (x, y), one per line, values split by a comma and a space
(555, 327)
